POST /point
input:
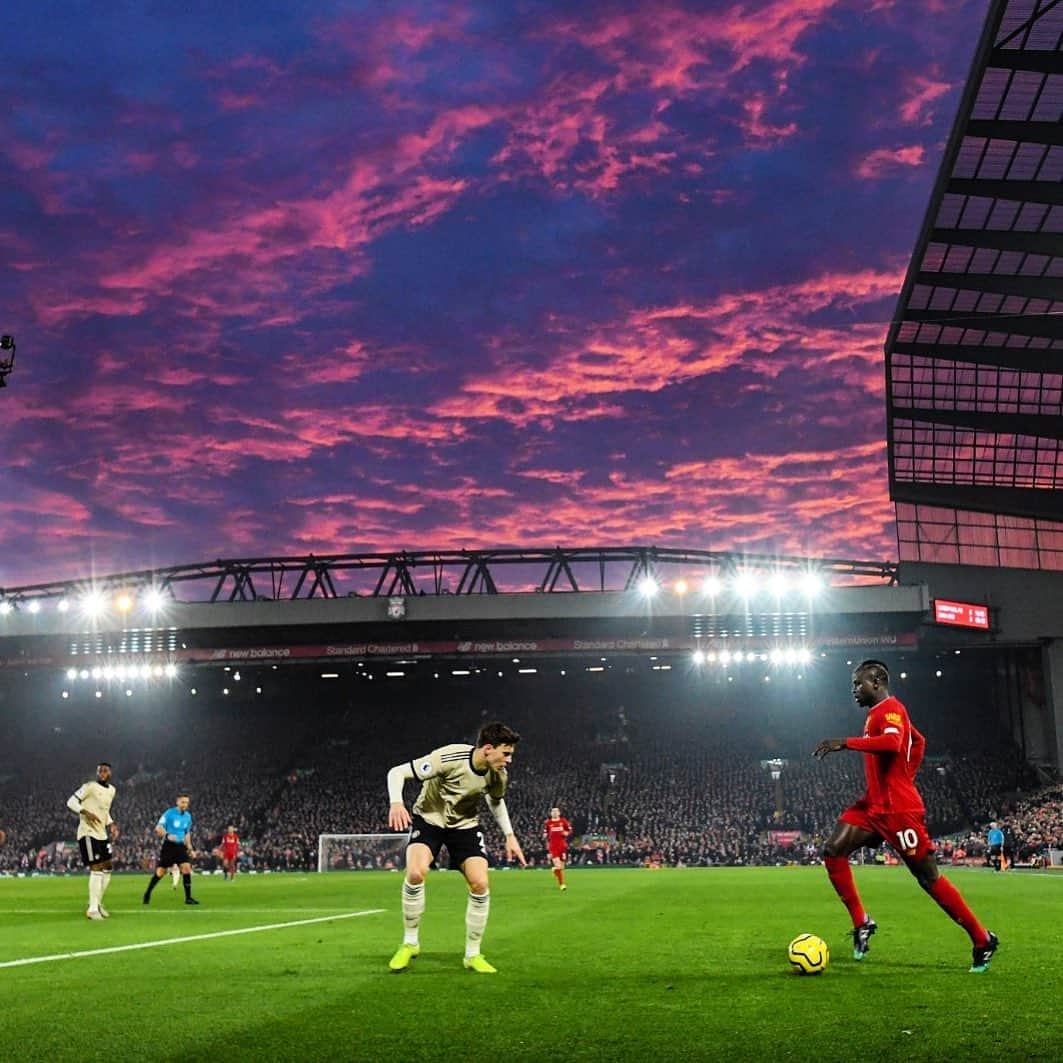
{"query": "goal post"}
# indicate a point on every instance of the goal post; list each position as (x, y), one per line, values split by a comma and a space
(361, 852)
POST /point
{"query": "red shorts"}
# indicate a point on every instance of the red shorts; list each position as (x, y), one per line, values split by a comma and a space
(558, 852)
(903, 831)
(228, 857)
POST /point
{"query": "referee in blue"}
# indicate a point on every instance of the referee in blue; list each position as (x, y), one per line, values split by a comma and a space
(174, 827)
(995, 840)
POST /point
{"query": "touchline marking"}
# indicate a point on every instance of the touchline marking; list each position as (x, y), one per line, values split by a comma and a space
(192, 937)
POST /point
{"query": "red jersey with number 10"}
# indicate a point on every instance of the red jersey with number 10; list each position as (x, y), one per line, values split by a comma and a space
(557, 832)
(893, 750)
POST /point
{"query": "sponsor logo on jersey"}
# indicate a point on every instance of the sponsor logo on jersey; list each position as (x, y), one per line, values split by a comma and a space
(893, 717)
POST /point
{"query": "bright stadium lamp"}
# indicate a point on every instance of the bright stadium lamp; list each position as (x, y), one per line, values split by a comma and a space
(171, 673)
(699, 657)
(725, 657)
(5, 607)
(124, 602)
(62, 605)
(745, 584)
(648, 587)
(34, 606)
(71, 673)
(776, 656)
(154, 600)
(811, 584)
(711, 586)
(92, 604)
(804, 655)
(680, 586)
(778, 584)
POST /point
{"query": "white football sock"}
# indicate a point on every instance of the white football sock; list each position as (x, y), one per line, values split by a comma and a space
(106, 876)
(412, 910)
(476, 922)
(95, 889)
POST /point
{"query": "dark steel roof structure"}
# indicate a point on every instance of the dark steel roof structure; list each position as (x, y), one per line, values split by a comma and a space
(974, 355)
(436, 572)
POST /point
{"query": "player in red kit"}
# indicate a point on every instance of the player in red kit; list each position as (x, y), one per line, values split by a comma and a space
(557, 831)
(230, 850)
(891, 810)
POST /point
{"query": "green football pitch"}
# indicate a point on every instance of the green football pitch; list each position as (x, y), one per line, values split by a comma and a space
(627, 964)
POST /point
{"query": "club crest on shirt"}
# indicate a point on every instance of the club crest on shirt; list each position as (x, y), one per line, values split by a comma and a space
(426, 767)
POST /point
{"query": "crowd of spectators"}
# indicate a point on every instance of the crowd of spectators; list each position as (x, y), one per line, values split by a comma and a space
(637, 785)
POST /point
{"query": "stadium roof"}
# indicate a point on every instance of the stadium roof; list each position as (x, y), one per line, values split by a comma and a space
(974, 356)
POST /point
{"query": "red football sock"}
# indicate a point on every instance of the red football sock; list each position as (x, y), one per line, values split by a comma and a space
(841, 878)
(560, 876)
(950, 900)
(557, 875)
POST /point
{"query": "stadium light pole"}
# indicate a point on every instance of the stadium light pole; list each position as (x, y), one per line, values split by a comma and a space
(7, 358)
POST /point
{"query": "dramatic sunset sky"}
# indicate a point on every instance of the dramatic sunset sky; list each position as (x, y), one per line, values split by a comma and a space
(321, 277)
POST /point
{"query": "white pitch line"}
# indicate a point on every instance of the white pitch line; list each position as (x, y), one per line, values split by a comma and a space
(71, 911)
(193, 937)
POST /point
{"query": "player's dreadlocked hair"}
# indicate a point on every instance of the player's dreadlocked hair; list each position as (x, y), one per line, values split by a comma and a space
(879, 672)
(497, 734)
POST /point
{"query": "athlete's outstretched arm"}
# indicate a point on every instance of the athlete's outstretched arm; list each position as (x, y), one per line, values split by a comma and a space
(398, 817)
(501, 814)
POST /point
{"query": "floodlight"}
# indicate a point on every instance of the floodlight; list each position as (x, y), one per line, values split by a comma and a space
(71, 673)
(680, 586)
(154, 600)
(711, 586)
(648, 587)
(92, 603)
(790, 655)
(171, 672)
(5, 607)
(725, 657)
(699, 657)
(778, 584)
(62, 605)
(804, 655)
(124, 602)
(775, 656)
(34, 606)
(745, 584)
(811, 584)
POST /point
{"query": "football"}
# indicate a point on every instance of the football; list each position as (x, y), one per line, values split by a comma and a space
(808, 954)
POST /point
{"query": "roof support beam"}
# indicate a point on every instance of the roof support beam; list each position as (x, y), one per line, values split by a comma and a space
(1041, 425)
(1024, 132)
(1050, 192)
(1024, 359)
(1002, 283)
(1049, 326)
(1042, 243)
(1039, 61)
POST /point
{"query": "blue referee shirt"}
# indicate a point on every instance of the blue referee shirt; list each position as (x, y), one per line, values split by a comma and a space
(996, 836)
(176, 822)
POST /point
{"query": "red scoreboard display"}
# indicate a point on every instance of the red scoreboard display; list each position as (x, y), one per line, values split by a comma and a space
(961, 614)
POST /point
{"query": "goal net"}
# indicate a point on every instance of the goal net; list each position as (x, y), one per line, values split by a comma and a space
(361, 852)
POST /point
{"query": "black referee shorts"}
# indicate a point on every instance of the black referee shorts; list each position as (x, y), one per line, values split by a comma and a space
(173, 853)
(461, 843)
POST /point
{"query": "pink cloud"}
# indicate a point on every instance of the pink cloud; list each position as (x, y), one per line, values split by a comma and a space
(652, 348)
(883, 161)
(920, 93)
